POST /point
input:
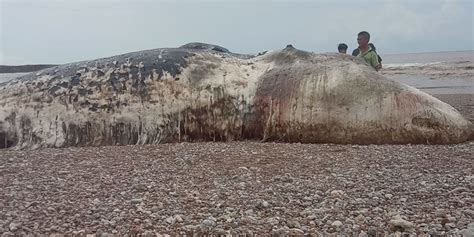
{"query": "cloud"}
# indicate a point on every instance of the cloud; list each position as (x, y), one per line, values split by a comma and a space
(60, 31)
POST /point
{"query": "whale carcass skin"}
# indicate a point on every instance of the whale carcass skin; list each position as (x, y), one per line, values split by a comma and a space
(201, 92)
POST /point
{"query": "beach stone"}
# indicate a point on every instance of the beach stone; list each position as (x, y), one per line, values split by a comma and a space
(273, 221)
(363, 234)
(136, 200)
(14, 226)
(149, 233)
(337, 224)
(178, 218)
(170, 220)
(372, 231)
(440, 212)
(400, 224)
(378, 209)
(468, 232)
(293, 224)
(337, 193)
(360, 219)
(296, 232)
(209, 223)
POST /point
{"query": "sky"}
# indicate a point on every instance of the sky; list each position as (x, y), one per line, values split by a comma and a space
(64, 31)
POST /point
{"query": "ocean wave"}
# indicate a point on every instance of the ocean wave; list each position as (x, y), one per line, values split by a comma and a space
(397, 65)
(429, 65)
(434, 70)
(463, 65)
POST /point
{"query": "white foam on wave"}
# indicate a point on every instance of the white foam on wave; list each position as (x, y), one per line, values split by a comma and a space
(402, 65)
(460, 63)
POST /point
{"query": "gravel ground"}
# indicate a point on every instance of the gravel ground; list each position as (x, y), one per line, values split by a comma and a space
(242, 188)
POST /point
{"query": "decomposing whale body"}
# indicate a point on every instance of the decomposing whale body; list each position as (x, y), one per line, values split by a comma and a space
(201, 92)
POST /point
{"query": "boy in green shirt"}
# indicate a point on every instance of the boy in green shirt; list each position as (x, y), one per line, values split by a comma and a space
(366, 52)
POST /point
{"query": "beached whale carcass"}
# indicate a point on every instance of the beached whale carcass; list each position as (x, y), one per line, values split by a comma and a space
(201, 92)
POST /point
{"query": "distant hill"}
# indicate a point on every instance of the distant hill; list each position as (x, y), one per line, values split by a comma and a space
(24, 68)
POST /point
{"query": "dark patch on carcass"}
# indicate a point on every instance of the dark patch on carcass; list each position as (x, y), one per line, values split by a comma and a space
(5, 141)
(203, 46)
(221, 121)
(84, 134)
(99, 133)
(94, 107)
(8, 138)
(201, 72)
(26, 131)
(273, 103)
(94, 84)
(82, 91)
(114, 82)
(53, 90)
(131, 69)
(76, 79)
(425, 122)
(63, 84)
(169, 60)
(100, 73)
(133, 72)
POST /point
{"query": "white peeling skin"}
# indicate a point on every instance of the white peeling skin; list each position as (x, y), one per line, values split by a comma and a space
(283, 95)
